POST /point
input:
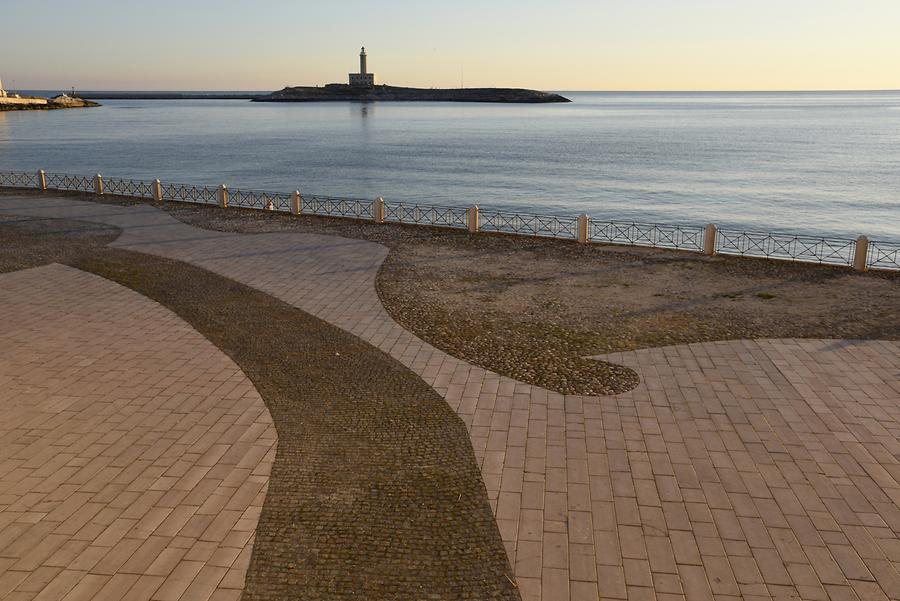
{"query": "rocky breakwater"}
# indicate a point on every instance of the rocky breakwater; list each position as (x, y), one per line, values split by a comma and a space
(32, 103)
(338, 92)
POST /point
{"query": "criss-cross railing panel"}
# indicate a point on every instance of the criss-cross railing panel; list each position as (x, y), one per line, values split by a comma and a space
(185, 193)
(814, 249)
(64, 181)
(336, 207)
(401, 212)
(528, 224)
(15, 179)
(685, 237)
(258, 199)
(883, 255)
(127, 187)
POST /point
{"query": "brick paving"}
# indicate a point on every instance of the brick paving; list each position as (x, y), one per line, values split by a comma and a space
(741, 469)
(134, 456)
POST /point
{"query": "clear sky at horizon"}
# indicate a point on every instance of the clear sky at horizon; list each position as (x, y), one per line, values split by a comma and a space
(561, 45)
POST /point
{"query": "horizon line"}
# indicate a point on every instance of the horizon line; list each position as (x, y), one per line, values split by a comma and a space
(607, 91)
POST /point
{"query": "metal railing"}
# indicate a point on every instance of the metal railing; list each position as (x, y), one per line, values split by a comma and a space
(126, 187)
(528, 224)
(17, 180)
(861, 253)
(257, 199)
(64, 181)
(811, 249)
(883, 255)
(401, 212)
(647, 234)
(187, 193)
(336, 207)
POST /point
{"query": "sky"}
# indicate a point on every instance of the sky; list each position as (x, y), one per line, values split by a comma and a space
(549, 45)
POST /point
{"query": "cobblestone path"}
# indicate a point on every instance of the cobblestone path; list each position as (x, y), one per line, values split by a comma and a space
(741, 469)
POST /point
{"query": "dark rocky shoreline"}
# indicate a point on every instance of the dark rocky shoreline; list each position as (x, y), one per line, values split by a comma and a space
(343, 92)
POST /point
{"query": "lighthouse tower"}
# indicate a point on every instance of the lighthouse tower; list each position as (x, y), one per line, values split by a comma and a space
(2, 91)
(363, 79)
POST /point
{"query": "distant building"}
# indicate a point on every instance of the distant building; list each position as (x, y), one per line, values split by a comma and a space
(2, 91)
(363, 79)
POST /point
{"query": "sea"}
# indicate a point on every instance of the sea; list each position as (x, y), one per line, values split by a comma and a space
(823, 163)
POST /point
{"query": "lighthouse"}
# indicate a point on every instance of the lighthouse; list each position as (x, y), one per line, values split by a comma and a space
(363, 79)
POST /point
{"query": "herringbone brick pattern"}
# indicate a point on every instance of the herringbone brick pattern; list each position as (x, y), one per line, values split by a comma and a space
(134, 456)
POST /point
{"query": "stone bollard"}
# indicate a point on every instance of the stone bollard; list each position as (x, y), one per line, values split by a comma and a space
(222, 196)
(296, 202)
(709, 239)
(584, 226)
(98, 184)
(156, 187)
(41, 180)
(472, 213)
(378, 210)
(861, 256)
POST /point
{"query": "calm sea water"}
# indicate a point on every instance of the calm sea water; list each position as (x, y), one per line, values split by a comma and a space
(807, 162)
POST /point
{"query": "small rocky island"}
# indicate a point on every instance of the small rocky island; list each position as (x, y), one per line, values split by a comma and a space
(362, 87)
(336, 91)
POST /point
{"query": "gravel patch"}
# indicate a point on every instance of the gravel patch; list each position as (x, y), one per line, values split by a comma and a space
(533, 309)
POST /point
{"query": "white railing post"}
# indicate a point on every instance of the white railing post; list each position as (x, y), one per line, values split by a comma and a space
(296, 202)
(156, 187)
(861, 256)
(378, 210)
(584, 225)
(98, 184)
(41, 180)
(222, 196)
(709, 239)
(472, 213)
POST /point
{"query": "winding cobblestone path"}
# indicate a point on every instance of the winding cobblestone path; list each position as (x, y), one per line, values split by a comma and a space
(134, 455)
(740, 469)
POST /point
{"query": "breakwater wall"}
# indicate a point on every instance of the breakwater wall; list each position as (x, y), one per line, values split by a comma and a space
(16, 103)
(859, 253)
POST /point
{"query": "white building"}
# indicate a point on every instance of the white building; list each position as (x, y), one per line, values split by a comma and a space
(363, 79)
(2, 91)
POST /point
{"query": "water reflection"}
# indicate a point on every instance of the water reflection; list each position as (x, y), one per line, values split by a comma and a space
(363, 110)
(4, 128)
(362, 113)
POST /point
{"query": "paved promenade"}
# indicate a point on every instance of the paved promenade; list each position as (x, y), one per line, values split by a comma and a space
(742, 469)
(134, 456)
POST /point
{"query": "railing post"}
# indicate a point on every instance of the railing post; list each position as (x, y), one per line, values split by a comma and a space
(156, 187)
(584, 224)
(41, 180)
(296, 202)
(709, 239)
(378, 210)
(472, 213)
(861, 256)
(98, 184)
(222, 196)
